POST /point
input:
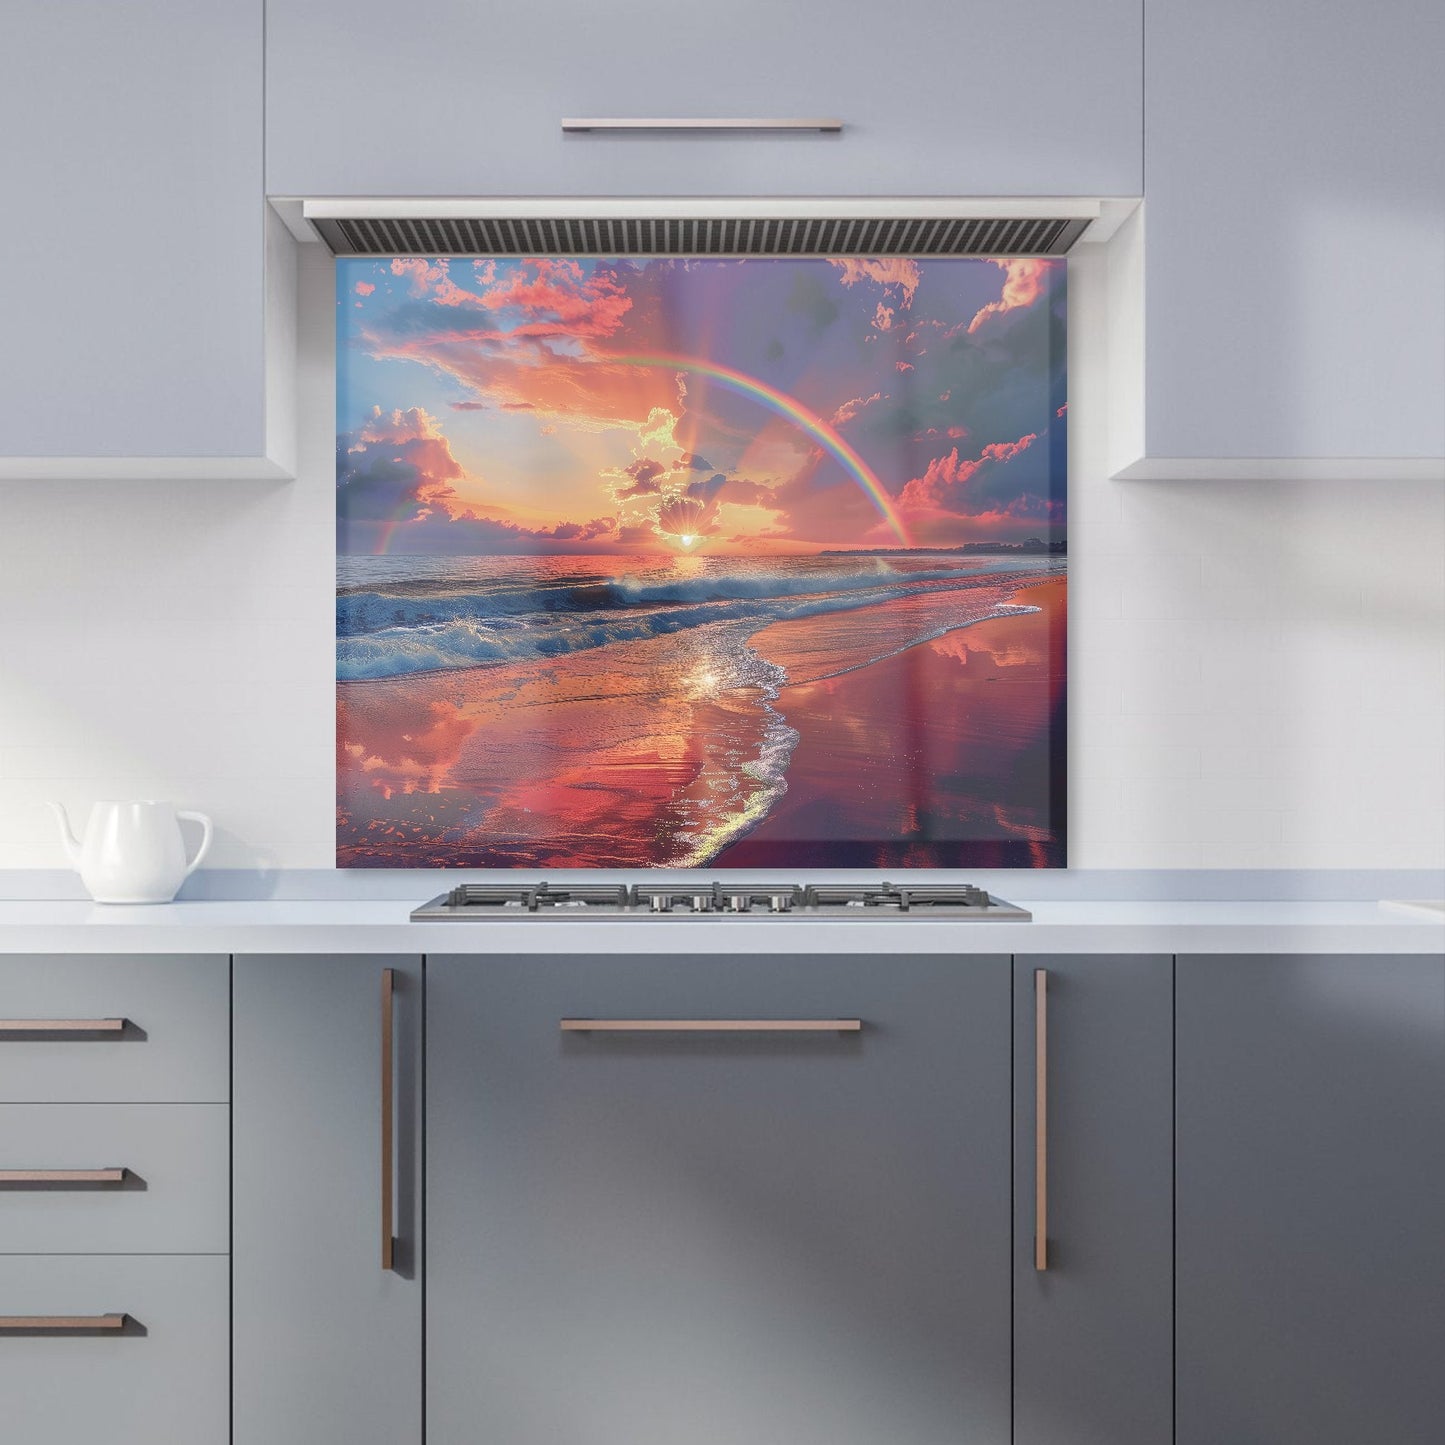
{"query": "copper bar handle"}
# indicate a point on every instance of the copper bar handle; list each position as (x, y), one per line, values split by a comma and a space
(1041, 1119)
(84, 1027)
(388, 1118)
(63, 1176)
(702, 125)
(711, 1026)
(77, 1323)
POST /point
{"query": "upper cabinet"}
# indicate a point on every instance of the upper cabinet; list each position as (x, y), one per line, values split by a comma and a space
(139, 270)
(1294, 241)
(937, 98)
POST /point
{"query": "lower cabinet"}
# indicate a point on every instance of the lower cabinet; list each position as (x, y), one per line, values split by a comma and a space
(326, 1331)
(1311, 1193)
(1093, 1310)
(803, 1200)
(640, 1233)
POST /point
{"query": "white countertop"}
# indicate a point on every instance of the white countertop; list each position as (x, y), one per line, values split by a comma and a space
(332, 926)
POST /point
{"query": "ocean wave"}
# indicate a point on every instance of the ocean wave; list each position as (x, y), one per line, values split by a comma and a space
(363, 610)
(472, 641)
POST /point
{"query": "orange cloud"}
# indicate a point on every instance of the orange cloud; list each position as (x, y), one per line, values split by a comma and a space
(502, 344)
(1023, 284)
(364, 288)
(886, 271)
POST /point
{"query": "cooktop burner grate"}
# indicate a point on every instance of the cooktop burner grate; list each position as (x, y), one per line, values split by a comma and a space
(483, 901)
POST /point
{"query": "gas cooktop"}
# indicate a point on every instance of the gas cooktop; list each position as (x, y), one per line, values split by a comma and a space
(508, 901)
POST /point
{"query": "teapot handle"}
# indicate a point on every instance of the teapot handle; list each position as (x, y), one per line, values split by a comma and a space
(205, 847)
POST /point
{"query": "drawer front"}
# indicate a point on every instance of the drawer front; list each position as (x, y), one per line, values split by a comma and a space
(174, 1047)
(163, 1377)
(171, 1198)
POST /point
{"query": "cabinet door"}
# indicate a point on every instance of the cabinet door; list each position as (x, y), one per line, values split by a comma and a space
(327, 1343)
(1038, 97)
(1282, 193)
(1311, 1189)
(644, 1238)
(134, 277)
(1093, 1355)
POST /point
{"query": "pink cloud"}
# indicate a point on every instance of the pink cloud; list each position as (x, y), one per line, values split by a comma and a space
(433, 280)
(1023, 283)
(363, 288)
(851, 408)
(559, 292)
(882, 317)
(903, 366)
(414, 437)
(944, 473)
(1062, 409)
(886, 271)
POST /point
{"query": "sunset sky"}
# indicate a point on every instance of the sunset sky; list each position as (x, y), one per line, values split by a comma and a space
(686, 405)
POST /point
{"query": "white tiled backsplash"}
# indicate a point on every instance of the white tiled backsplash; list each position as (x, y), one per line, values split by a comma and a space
(1257, 670)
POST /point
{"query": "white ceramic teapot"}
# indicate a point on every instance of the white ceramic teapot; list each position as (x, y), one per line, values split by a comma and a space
(133, 852)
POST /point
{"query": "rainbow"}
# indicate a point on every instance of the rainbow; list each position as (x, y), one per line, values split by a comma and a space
(794, 410)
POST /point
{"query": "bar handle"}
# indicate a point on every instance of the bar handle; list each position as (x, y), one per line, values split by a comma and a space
(1041, 1119)
(388, 1118)
(74, 1324)
(711, 1026)
(703, 125)
(82, 1028)
(63, 1176)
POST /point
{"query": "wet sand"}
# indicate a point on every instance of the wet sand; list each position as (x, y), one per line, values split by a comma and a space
(938, 757)
(639, 755)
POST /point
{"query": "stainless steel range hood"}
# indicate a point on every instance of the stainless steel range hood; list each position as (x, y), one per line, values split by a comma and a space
(724, 226)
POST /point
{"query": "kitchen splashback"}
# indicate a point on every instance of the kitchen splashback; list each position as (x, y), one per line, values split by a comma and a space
(691, 562)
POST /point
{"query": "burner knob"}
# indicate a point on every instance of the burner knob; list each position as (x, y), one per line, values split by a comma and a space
(701, 903)
(779, 903)
(739, 904)
(657, 903)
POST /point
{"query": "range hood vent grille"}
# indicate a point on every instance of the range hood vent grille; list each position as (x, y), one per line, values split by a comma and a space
(701, 236)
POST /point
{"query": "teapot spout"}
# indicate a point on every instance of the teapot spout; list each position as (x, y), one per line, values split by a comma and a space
(68, 840)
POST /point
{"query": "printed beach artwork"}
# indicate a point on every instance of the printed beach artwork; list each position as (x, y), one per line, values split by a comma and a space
(701, 563)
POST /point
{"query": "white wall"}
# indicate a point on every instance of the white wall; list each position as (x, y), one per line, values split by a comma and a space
(1258, 669)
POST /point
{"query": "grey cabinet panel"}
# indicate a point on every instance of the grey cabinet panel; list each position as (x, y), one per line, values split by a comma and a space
(133, 293)
(640, 1239)
(1311, 1189)
(162, 1379)
(1265, 333)
(175, 1051)
(327, 1345)
(1093, 1356)
(474, 97)
(176, 1199)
